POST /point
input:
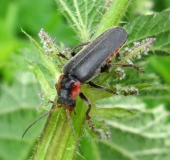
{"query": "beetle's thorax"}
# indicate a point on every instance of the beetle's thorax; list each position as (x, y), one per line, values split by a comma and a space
(68, 88)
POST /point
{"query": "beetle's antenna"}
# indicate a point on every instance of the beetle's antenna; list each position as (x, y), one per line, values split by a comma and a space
(47, 113)
(72, 129)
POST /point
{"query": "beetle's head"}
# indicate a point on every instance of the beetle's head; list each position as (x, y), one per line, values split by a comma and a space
(68, 88)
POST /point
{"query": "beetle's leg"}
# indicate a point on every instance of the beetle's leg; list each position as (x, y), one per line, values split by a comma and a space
(106, 67)
(88, 118)
(101, 88)
(73, 53)
(118, 58)
(62, 56)
(131, 66)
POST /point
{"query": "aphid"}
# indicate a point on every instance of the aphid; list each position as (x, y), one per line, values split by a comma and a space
(84, 66)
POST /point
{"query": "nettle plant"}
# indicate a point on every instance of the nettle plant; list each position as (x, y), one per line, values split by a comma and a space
(134, 137)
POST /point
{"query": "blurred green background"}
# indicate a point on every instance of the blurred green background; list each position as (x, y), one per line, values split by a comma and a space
(31, 16)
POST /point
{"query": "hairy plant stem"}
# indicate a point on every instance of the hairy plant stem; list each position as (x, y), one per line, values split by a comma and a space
(113, 15)
(56, 141)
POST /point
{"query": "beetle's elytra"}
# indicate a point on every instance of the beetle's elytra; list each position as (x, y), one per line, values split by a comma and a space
(87, 63)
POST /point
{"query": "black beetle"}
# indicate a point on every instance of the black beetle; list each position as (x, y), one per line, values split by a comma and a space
(84, 66)
(87, 64)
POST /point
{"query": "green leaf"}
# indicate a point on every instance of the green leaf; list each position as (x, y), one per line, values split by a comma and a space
(158, 91)
(161, 66)
(49, 92)
(114, 13)
(48, 63)
(156, 26)
(82, 15)
(110, 113)
(18, 103)
(142, 137)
